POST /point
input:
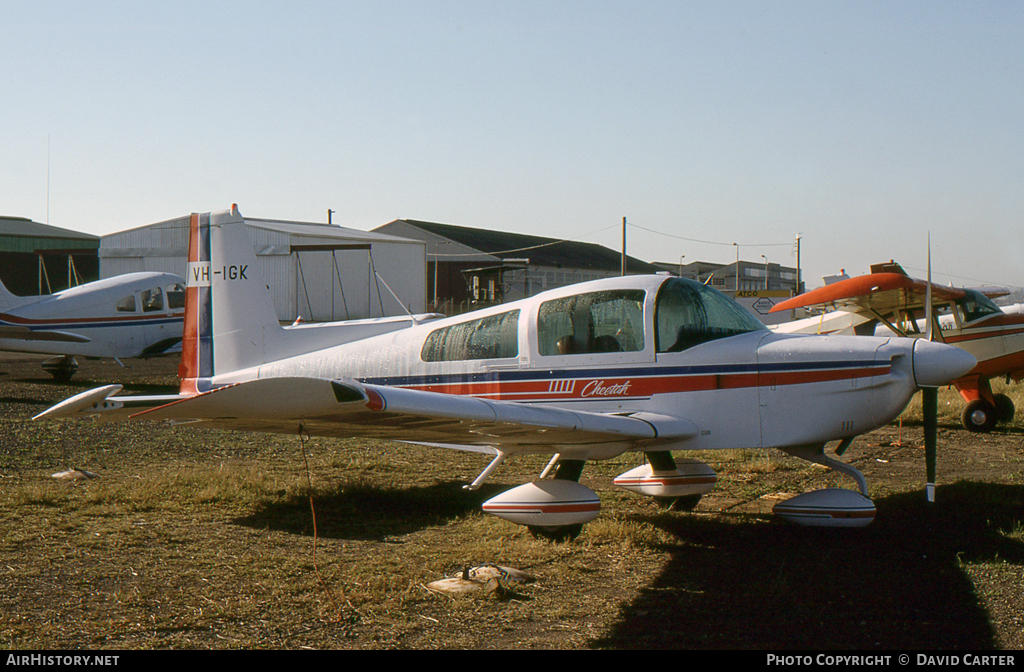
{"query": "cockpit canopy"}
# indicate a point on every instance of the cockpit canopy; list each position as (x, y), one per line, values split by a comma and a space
(615, 320)
(976, 306)
(153, 299)
(687, 314)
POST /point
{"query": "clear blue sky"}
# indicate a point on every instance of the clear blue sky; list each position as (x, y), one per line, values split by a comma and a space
(860, 125)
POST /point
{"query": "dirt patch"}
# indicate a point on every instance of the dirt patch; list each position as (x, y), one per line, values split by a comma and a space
(202, 539)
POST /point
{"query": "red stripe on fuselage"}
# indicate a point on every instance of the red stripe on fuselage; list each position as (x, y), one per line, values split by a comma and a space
(980, 335)
(640, 386)
(20, 321)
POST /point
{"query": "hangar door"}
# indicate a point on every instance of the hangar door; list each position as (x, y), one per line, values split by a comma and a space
(335, 282)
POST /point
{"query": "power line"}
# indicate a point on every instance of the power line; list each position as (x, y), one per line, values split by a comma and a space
(962, 277)
(709, 242)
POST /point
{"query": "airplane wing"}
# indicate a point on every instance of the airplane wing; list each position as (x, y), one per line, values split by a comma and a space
(347, 408)
(26, 334)
(881, 293)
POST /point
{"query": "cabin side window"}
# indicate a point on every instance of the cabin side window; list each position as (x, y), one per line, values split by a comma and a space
(175, 295)
(687, 314)
(152, 300)
(492, 337)
(126, 305)
(608, 321)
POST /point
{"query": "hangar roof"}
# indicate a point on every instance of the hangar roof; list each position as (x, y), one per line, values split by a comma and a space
(19, 234)
(318, 230)
(541, 251)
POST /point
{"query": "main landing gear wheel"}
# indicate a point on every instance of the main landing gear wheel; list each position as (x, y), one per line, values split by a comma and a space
(556, 533)
(687, 503)
(567, 470)
(61, 368)
(663, 461)
(1004, 408)
(979, 416)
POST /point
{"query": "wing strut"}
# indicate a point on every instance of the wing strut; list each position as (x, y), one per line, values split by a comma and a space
(486, 473)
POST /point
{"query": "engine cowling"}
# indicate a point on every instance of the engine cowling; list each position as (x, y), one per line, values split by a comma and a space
(831, 507)
(690, 477)
(548, 503)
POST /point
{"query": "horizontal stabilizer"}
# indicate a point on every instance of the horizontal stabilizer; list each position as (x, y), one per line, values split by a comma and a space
(26, 334)
(101, 402)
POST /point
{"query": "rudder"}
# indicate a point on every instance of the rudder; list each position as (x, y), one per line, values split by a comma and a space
(228, 309)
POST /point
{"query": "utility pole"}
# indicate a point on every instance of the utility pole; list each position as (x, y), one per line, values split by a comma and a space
(798, 287)
(737, 288)
(623, 246)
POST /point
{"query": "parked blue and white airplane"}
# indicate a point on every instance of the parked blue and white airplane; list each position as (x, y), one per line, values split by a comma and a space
(125, 316)
(651, 364)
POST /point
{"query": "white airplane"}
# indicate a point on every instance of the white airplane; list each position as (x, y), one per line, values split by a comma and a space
(130, 315)
(653, 364)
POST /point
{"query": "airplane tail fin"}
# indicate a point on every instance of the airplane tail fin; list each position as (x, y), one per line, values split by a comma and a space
(9, 301)
(229, 313)
(231, 324)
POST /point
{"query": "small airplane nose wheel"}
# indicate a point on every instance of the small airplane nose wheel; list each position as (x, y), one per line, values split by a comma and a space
(979, 416)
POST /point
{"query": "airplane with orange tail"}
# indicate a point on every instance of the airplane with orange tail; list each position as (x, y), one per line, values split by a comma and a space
(888, 301)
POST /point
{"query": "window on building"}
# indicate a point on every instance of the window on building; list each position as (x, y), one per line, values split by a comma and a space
(608, 321)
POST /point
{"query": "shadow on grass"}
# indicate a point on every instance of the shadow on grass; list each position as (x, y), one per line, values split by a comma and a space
(896, 584)
(83, 385)
(369, 513)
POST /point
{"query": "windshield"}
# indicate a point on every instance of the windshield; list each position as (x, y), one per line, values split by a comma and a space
(976, 306)
(687, 314)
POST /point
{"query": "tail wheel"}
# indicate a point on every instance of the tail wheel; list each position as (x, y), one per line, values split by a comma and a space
(1004, 408)
(979, 416)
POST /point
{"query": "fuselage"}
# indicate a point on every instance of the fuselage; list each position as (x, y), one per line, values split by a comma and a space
(123, 316)
(996, 341)
(639, 343)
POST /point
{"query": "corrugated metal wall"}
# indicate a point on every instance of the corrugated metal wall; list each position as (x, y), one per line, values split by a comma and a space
(318, 285)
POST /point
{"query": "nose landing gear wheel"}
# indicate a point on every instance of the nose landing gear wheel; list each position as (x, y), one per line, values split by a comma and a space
(979, 416)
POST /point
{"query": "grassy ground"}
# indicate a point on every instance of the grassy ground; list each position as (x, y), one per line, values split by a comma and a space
(203, 539)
